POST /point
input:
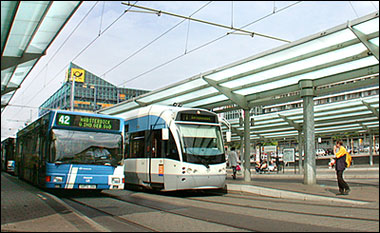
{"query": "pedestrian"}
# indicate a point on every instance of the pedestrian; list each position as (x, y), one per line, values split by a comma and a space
(233, 161)
(340, 165)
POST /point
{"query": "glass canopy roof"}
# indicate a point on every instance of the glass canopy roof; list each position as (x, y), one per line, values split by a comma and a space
(27, 30)
(345, 52)
(343, 116)
(342, 53)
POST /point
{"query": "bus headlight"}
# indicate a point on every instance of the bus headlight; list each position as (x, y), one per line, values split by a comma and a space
(57, 179)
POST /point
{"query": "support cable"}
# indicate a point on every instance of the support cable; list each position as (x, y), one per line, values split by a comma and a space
(101, 18)
(357, 16)
(232, 14)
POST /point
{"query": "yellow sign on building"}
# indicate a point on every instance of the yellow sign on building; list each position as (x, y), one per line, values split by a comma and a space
(78, 74)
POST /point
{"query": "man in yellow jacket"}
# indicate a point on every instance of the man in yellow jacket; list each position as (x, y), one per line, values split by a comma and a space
(340, 165)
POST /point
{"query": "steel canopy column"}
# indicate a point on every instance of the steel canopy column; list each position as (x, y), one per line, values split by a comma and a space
(307, 93)
(300, 151)
(247, 146)
(371, 136)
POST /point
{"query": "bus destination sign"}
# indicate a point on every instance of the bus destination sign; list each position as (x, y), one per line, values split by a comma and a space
(87, 122)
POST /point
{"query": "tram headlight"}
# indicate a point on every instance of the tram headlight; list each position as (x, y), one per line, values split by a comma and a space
(115, 180)
(57, 179)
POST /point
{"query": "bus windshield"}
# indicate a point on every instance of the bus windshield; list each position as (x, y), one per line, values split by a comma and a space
(81, 147)
(202, 143)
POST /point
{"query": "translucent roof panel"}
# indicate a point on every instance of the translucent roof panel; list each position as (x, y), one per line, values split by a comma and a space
(292, 52)
(364, 62)
(56, 17)
(27, 18)
(27, 30)
(369, 26)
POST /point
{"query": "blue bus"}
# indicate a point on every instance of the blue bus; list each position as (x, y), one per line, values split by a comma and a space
(72, 150)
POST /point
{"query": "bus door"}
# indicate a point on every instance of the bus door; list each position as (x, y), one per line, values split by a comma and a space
(42, 159)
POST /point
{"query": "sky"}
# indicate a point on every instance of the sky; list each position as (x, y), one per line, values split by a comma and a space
(148, 51)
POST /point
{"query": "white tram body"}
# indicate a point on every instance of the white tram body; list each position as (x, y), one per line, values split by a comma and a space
(174, 148)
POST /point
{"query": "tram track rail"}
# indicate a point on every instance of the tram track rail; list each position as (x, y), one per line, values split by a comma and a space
(115, 217)
(179, 214)
(287, 211)
(250, 228)
(297, 202)
(202, 212)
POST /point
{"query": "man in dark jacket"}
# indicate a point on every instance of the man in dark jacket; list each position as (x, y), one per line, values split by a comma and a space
(340, 165)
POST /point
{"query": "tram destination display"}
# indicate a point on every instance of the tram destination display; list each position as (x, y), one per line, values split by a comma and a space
(198, 117)
(87, 122)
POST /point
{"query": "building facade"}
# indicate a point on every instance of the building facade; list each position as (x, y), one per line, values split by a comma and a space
(91, 93)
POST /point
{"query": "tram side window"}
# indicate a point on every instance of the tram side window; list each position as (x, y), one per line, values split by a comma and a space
(170, 148)
(156, 139)
(137, 145)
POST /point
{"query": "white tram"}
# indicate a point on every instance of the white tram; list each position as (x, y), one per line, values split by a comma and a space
(174, 148)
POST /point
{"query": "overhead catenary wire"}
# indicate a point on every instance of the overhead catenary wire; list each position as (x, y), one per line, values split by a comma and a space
(159, 12)
(204, 45)
(154, 40)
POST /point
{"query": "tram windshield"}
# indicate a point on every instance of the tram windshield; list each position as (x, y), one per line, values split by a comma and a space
(80, 147)
(202, 144)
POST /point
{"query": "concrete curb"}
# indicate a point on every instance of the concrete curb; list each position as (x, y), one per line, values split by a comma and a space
(289, 194)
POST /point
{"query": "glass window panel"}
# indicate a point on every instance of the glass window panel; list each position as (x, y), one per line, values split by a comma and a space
(368, 26)
(375, 41)
(280, 133)
(299, 65)
(352, 114)
(272, 125)
(6, 97)
(342, 111)
(27, 18)
(55, 18)
(272, 130)
(5, 76)
(311, 46)
(31, 10)
(21, 71)
(334, 130)
(364, 62)
(339, 127)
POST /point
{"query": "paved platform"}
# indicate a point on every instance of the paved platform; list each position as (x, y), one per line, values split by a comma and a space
(362, 179)
(26, 208)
